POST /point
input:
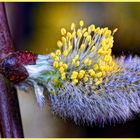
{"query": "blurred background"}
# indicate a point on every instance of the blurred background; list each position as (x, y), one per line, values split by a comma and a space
(36, 27)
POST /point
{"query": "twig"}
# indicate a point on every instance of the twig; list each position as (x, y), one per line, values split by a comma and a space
(10, 119)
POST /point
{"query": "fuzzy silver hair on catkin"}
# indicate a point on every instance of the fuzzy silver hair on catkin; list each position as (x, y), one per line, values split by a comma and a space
(85, 83)
(116, 100)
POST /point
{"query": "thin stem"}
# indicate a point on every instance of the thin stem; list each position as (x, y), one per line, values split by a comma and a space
(10, 118)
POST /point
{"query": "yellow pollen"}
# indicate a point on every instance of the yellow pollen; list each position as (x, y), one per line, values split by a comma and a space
(55, 64)
(75, 81)
(81, 23)
(77, 63)
(61, 69)
(92, 27)
(69, 35)
(96, 67)
(58, 52)
(99, 74)
(76, 57)
(85, 34)
(88, 38)
(65, 66)
(79, 34)
(115, 30)
(63, 76)
(81, 74)
(92, 49)
(84, 29)
(70, 47)
(65, 53)
(60, 64)
(52, 55)
(56, 58)
(72, 26)
(86, 61)
(59, 44)
(83, 46)
(73, 34)
(74, 75)
(98, 82)
(85, 79)
(73, 61)
(64, 40)
(63, 31)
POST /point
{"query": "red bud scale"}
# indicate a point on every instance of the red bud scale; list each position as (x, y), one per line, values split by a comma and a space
(13, 65)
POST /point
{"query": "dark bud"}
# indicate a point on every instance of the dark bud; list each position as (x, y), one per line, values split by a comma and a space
(12, 67)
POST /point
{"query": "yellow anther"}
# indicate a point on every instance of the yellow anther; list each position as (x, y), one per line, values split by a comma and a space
(107, 58)
(83, 46)
(102, 68)
(92, 72)
(101, 52)
(65, 66)
(97, 29)
(69, 35)
(100, 31)
(106, 69)
(75, 81)
(73, 61)
(63, 76)
(91, 28)
(99, 74)
(82, 71)
(58, 52)
(85, 79)
(81, 23)
(109, 51)
(77, 63)
(55, 64)
(101, 62)
(85, 34)
(86, 61)
(73, 34)
(107, 33)
(63, 31)
(79, 33)
(95, 67)
(60, 64)
(92, 49)
(64, 40)
(61, 70)
(65, 53)
(88, 38)
(53, 55)
(76, 57)
(115, 30)
(84, 29)
(81, 74)
(72, 26)
(105, 29)
(59, 44)
(98, 82)
(104, 73)
(89, 62)
(56, 58)
(69, 47)
(74, 75)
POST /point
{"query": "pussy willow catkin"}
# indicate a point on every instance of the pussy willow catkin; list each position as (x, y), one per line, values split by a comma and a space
(84, 82)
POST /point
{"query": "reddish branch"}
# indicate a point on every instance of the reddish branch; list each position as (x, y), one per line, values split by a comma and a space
(10, 119)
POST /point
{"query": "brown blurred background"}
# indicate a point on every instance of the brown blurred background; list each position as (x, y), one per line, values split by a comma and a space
(36, 27)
